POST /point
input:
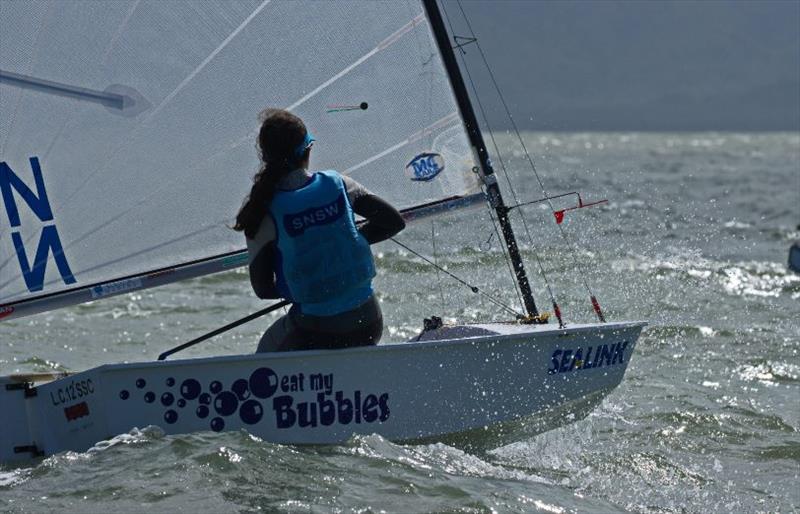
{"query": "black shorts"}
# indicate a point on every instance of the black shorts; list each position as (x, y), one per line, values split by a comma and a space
(361, 326)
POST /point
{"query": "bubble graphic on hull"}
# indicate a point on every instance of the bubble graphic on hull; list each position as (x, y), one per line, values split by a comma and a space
(226, 403)
(217, 424)
(263, 383)
(244, 398)
(190, 389)
(170, 416)
(251, 412)
(215, 387)
(241, 388)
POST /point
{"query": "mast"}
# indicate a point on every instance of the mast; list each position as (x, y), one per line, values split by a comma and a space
(476, 140)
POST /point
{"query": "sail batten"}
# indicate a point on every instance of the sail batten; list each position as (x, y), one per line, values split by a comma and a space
(450, 118)
(104, 195)
(381, 46)
(208, 59)
(68, 90)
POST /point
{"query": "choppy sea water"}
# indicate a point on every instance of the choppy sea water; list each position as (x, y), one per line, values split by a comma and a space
(694, 239)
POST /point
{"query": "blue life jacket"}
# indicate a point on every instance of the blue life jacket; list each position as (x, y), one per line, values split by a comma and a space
(322, 262)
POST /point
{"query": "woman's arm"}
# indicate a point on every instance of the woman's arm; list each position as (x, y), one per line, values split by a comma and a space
(262, 274)
(261, 251)
(383, 220)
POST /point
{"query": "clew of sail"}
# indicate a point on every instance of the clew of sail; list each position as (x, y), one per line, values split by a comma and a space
(128, 129)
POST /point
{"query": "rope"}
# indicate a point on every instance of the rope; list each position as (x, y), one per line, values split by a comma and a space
(539, 263)
(438, 274)
(561, 230)
(507, 259)
(474, 289)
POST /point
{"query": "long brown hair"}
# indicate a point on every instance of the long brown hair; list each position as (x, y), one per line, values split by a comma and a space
(281, 134)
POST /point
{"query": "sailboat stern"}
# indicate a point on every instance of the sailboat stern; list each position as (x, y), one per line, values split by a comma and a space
(46, 413)
(17, 440)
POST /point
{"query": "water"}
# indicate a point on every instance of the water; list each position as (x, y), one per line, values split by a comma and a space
(695, 239)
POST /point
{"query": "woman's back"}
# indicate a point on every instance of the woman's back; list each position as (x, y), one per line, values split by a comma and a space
(331, 267)
(305, 246)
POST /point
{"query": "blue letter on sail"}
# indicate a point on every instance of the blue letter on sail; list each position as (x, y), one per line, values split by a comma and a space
(49, 242)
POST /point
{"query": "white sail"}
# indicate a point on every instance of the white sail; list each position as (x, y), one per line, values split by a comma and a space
(127, 129)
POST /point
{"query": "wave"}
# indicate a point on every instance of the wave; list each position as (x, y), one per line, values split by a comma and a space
(239, 471)
(746, 278)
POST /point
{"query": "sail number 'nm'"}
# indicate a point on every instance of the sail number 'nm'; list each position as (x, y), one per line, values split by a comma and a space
(49, 241)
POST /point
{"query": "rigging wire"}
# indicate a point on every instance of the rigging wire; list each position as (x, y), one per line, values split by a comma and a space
(570, 244)
(539, 263)
(438, 274)
(495, 222)
(421, 52)
(473, 288)
(507, 259)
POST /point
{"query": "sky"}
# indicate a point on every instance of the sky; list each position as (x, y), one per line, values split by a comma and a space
(730, 65)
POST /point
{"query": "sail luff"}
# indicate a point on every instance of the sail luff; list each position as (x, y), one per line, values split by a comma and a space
(476, 140)
(186, 271)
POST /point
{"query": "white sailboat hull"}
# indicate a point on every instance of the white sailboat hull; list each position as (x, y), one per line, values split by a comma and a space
(495, 380)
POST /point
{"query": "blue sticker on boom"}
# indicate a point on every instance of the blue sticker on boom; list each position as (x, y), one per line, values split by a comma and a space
(425, 166)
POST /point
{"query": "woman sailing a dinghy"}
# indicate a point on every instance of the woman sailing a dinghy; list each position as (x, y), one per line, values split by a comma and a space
(304, 245)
